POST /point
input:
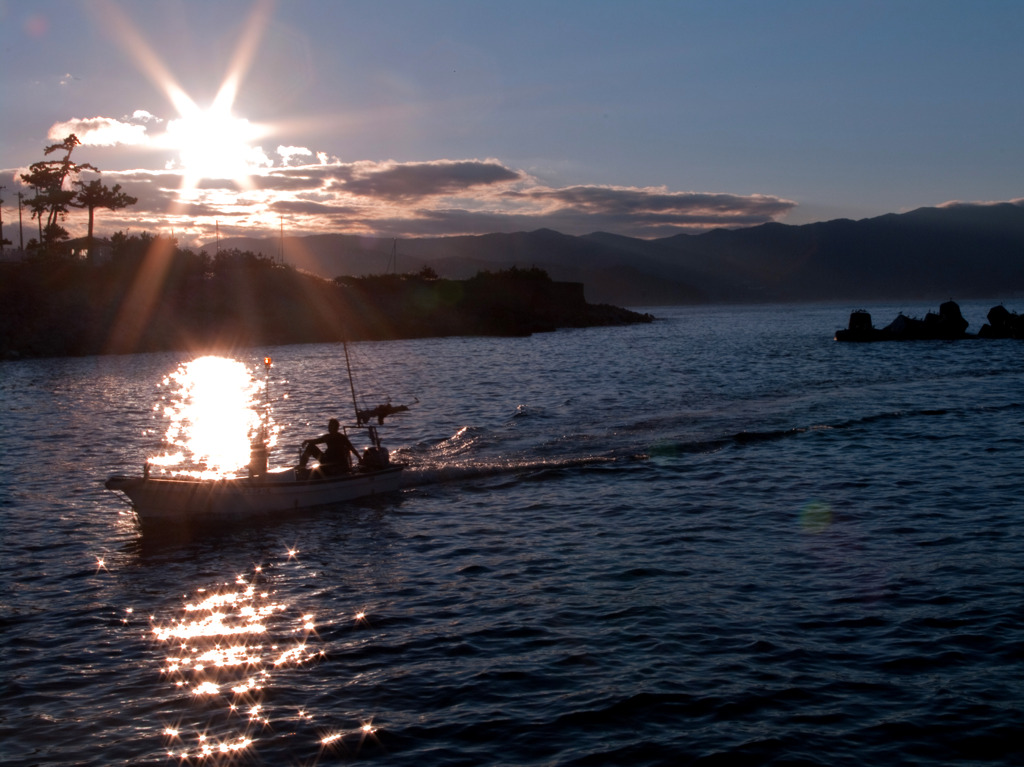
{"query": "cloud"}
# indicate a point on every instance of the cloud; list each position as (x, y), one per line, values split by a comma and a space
(981, 203)
(288, 153)
(303, 179)
(406, 181)
(316, 193)
(664, 207)
(100, 131)
(314, 208)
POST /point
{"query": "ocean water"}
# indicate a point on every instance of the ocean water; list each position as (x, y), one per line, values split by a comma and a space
(721, 538)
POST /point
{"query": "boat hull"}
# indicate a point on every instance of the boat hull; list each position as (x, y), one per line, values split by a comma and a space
(187, 500)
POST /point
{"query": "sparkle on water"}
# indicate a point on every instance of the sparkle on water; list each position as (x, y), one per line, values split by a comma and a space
(226, 646)
(213, 412)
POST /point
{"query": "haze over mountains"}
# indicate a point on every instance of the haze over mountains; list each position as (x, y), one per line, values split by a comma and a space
(960, 251)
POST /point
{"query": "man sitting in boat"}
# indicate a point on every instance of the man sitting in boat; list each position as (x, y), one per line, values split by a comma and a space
(335, 458)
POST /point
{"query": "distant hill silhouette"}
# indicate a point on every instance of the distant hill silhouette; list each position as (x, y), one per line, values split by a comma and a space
(963, 251)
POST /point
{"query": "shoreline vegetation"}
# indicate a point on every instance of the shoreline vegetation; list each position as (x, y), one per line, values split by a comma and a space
(149, 296)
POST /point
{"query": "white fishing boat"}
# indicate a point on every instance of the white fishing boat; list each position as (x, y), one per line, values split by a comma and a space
(174, 500)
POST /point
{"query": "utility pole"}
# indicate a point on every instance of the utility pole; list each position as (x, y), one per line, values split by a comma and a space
(2, 224)
(21, 234)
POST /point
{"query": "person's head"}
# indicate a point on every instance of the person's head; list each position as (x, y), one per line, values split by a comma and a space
(333, 425)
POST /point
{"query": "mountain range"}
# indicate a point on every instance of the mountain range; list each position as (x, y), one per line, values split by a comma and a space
(960, 251)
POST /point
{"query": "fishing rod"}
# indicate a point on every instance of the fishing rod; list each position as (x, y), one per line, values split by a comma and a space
(351, 384)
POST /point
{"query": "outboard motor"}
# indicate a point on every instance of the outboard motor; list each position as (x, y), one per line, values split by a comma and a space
(375, 458)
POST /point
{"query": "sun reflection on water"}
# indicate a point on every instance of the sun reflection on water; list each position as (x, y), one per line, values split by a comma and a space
(214, 410)
(226, 648)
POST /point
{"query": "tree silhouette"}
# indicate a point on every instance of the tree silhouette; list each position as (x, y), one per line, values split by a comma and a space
(57, 187)
(95, 194)
(50, 179)
(48, 194)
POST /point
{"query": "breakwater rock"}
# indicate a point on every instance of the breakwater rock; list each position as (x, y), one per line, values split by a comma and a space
(1002, 323)
(948, 324)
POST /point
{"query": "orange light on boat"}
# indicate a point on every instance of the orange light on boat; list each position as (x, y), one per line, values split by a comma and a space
(267, 361)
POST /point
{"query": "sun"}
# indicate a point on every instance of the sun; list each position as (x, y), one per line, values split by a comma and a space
(213, 143)
(210, 143)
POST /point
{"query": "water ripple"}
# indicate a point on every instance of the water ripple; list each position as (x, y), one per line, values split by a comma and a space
(718, 539)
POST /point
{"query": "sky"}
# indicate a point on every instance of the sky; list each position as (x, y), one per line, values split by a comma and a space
(393, 118)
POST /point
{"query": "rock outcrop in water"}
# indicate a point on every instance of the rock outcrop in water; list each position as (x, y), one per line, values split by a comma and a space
(949, 324)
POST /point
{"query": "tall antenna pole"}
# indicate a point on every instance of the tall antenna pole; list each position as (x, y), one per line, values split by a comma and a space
(21, 234)
(281, 251)
(2, 224)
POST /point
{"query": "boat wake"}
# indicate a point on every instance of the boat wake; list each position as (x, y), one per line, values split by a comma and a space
(475, 454)
(714, 444)
(426, 475)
